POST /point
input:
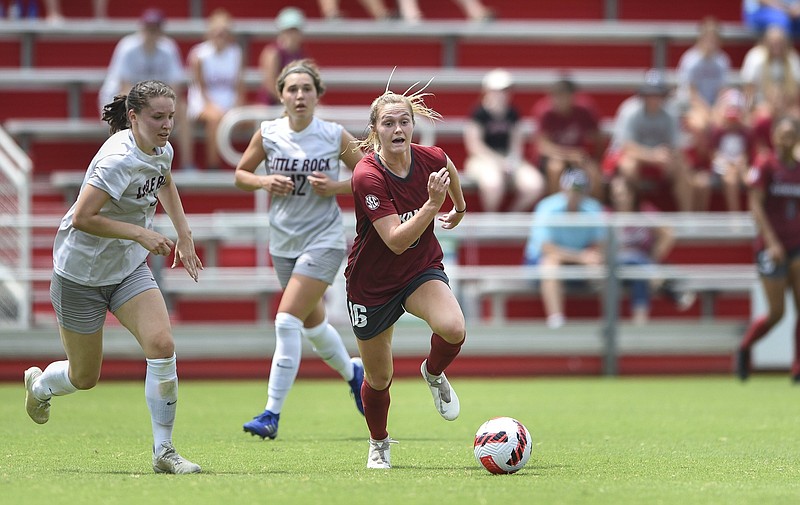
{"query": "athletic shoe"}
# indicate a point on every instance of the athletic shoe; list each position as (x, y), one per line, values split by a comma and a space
(167, 460)
(265, 425)
(380, 453)
(356, 381)
(444, 396)
(37, 409)
(743, 364)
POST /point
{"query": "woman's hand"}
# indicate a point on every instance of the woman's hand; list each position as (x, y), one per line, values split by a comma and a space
(452, 218)
(155, 242)
(438, 184)
(278, 185)
(321, 184)
(186, 254)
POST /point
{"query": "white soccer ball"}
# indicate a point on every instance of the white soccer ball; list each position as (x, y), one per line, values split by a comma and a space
(502, 445)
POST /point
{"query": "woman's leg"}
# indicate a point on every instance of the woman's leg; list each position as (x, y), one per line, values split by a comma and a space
(435, 303)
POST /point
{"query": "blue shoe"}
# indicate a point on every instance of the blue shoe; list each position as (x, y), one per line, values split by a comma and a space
(356, 381)
(264, 425)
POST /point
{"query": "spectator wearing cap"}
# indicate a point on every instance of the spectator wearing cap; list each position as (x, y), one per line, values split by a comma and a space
(151, 54)
(567, 135)
(495, 146)
(287, 47)
(645, 146)
(554, 245)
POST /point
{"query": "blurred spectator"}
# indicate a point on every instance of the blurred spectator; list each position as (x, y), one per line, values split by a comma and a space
(759, 15)
(646, 139)
(731, 148)
(568, 135)
(151, 54)
(770, 74)
(702, 73)
(376, 8)
(474, 10)
(643, 245)
(554, 245)
(216, 69)
(288, 47)
(54, 14)
(494, 142)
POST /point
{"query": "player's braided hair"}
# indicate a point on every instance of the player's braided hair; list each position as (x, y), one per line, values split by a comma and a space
(415, 101)
(116, 112)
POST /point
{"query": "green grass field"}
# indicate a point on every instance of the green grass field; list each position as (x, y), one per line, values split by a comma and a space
(596, 441)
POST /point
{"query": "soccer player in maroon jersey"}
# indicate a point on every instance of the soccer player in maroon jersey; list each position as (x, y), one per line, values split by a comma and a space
(774, 195)
(395, 265)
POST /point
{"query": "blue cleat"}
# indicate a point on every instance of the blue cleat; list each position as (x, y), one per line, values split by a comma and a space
(356, 381)
(265, 425)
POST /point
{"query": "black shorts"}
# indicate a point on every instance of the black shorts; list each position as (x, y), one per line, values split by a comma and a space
(768, 268)
(370, 321)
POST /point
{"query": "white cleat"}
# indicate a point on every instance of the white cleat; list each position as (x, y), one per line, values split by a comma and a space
(167, 460)
(37, 409)
(445, 398)
(380, 453)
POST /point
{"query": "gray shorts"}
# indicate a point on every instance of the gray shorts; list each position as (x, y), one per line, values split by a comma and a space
(83, 309)
(320, 264)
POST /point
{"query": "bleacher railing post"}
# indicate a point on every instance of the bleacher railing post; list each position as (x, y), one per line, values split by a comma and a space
(611, 305)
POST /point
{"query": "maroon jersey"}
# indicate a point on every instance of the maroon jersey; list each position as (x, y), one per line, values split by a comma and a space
(781, 186)
(374, 273)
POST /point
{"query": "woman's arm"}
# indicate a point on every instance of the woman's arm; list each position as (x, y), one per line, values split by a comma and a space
(399, 236)
(245, 177)
(184, 249)
(87, 219)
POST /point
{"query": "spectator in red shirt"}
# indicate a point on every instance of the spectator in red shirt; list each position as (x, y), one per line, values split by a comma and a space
(568, 135)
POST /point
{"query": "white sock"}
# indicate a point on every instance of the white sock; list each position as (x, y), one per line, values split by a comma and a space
(329, 346)
(161, 393)
(285, 360)
(54, 381)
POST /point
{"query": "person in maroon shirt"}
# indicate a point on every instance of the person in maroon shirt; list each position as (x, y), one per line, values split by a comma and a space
(568, 135)
(287, 47)
(395, 265)
(774, 196)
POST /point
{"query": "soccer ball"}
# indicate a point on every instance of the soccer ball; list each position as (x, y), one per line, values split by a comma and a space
(502, 445)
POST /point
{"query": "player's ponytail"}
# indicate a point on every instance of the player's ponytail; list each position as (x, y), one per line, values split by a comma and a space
(116, 112)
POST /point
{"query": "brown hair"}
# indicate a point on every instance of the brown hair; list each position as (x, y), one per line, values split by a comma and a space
(116, 112)
(304, 66)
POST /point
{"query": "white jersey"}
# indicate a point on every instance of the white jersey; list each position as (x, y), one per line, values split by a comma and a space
(132, 178)
(220, 72)
(303, 220)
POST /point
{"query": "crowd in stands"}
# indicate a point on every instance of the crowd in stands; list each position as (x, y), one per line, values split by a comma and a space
(693, 137)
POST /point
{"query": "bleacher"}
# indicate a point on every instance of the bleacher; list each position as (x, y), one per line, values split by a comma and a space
(50, 74)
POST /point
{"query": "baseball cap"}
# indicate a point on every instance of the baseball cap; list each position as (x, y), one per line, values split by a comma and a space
(655, 83)
(152, 16)
(290, 17)
(497, 79)
(574, 178)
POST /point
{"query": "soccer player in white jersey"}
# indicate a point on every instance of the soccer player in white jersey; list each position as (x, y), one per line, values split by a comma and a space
(99, 265)
(306, 234)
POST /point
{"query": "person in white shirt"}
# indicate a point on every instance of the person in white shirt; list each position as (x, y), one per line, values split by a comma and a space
(151, 54)
(99, 265)
(216, 80)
